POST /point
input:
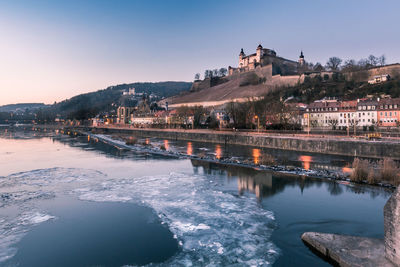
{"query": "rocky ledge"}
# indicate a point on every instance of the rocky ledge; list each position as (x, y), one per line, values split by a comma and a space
(348, 250)
(345, 250)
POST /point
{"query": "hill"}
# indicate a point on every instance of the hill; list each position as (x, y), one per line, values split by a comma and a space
(317, 88)
(306, 87)
(21, 107)
(90, 104)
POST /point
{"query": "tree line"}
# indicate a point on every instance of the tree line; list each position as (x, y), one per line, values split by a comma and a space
(337, 64)
(222, 72)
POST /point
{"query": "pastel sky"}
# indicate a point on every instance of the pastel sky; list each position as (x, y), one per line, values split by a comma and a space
(52, 50)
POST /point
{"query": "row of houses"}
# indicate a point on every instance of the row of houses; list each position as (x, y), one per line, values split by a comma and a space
(367, 112)
(328, 113)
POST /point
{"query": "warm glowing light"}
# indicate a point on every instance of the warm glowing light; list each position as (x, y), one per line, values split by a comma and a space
(306, 161)
(166, 145)
(147, 141)
(256, 155)
(189, 148)
(346, 170)
(88, 138)
(218, 151)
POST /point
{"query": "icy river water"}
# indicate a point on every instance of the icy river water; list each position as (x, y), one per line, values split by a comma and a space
(71, 201)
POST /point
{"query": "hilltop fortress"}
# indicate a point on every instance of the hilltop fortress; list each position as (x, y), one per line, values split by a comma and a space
(264, 57)
(260, 73)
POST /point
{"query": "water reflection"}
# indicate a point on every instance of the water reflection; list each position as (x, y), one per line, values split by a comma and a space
(166, 145)
(147, 141)
(256, 155)
(306, 160)
(189, 148)
(346, 170)
(265, 184)
(218, 151)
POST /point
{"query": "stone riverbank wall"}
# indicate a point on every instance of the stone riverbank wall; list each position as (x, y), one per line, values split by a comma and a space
(336, 146)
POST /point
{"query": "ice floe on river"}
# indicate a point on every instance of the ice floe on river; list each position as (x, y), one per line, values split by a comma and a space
(212, 225)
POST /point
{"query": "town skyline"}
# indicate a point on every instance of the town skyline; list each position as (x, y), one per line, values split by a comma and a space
(53, 51)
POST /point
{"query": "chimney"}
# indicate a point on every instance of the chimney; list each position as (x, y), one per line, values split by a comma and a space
(378, 99)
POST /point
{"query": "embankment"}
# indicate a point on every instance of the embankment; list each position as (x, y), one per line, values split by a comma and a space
(326, 145)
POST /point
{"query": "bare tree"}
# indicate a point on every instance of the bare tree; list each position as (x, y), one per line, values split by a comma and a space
(207, 74)
(333, 123)
(215, 72)
(373, 60)
(350, 65)
(197, 76)
(222, 72)
(333, 63)
(318, 67)
(198, 113)
(363, 63)
(184, 113)
(382, 60)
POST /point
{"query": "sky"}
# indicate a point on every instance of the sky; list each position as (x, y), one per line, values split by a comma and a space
(52, 50)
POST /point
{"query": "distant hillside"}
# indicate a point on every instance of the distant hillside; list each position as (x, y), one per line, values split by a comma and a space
(21, 107)
(89, 104)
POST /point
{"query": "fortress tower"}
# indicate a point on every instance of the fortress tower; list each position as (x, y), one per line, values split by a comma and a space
(241, 56)
(259, 53)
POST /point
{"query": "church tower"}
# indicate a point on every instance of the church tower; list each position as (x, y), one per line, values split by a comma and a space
(301, 59)
(259, 53)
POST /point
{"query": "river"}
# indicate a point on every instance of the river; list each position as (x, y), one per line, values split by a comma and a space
(69, 200)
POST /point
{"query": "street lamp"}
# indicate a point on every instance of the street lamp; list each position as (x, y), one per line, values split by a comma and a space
(258, 123)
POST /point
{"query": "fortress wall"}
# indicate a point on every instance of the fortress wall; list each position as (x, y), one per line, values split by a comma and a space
(211, 103)
(365, 75)
(264, 72)
(312, 75)
(279, 81)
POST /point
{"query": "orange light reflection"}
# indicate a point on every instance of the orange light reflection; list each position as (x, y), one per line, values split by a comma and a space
(256, 155)
(306, 161)
(189, 149)
(346, 170)
(218, 151)
(166, 145)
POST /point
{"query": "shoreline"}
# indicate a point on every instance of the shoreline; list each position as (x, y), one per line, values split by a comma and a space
(278, 169)
(333, 145)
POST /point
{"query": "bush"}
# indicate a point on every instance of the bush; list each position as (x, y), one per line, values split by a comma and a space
(266, 159)
(131, 141)
(372, 176)
(360, 170)
(389, 171)
(385, 170)
(250, 79)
